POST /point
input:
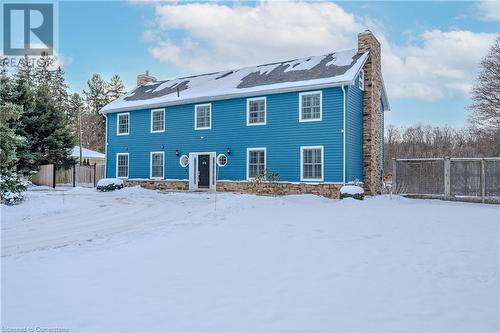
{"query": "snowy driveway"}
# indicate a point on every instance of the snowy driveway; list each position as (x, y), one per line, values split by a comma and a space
(139, 260)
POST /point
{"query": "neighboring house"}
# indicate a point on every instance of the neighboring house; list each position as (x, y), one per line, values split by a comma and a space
(316, 121)
(90, 156)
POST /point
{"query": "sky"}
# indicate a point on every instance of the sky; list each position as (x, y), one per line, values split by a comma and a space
(430, 50)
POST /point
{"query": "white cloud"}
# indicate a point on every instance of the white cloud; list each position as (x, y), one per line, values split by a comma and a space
(223, 36)
(444, 65)
(439, 64)
(489, 10)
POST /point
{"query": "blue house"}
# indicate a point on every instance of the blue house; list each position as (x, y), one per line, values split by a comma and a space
(314, 121)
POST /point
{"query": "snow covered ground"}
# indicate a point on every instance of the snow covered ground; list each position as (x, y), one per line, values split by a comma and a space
(139, 260)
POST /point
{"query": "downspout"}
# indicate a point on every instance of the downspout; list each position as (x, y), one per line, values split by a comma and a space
(106, 149)
(343, 135)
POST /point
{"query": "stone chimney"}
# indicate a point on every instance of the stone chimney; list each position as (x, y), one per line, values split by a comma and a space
(142, 79)
(372, 117)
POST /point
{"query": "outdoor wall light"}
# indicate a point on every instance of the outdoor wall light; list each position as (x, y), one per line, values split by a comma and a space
(228, 151)
(177, 152)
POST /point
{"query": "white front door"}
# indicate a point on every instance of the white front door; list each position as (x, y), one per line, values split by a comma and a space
(202, 171)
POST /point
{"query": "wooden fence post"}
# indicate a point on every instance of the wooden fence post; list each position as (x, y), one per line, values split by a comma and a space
(54, 169)
(95, 170)
(447, 184)
(74, 173)
(483, 181)
(393, 185)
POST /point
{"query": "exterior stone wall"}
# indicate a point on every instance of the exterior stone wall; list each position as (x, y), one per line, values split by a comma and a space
(263, 188)
(282, 188)
(159, 184)
(372, 116)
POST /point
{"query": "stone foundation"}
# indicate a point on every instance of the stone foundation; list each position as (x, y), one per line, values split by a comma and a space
(178, 185)
(263, 188)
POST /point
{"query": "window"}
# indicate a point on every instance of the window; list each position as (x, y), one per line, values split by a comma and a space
(256, 162)
(157, 165)
(221, 160)
(122, 165)
(157, 120)
(362, 80)
(202, 116)
(256, 111)
(310, 106)
(184, 161)
(311, 160)
(123, 124)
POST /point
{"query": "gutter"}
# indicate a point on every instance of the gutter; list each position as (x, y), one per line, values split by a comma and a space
(343, 134)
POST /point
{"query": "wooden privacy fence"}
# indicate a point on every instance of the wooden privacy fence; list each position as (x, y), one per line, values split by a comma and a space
(77, 175)
(464, 179)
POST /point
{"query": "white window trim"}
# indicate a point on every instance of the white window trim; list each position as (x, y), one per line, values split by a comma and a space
(196, 116)
(320, 105)
(128, 165)
(118, 123)
(248, 111)
(151, 165)
(180, 161)
(361, 80)
(158, 110)
(302, 179)
(248, 159)
(219, 164)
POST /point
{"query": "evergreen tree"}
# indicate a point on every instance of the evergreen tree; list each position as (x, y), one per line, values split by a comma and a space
(76, 111)
(116, 88)
(22, 95)
(59, 91)
(5, 83)
(94, 128)
(43, 72)
(10, 184)
(47, 134)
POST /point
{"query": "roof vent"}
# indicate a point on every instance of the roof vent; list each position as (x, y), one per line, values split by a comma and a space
(142, 79)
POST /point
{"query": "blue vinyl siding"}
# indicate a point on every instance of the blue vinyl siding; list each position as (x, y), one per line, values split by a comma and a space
(354, 133)
(282, 136)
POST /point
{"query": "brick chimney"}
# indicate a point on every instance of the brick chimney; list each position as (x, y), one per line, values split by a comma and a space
(372, 117)
(142, 79)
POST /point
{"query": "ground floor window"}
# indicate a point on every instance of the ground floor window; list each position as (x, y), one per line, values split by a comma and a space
(157, 164)
(312, 163)
(256, 162)
(122, 165)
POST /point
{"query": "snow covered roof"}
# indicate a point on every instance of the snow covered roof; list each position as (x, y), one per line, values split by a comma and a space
(316, 71)
(86, 153)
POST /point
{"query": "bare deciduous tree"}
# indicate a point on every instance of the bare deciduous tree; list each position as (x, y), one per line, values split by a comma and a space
(427, 141)
(485, 108)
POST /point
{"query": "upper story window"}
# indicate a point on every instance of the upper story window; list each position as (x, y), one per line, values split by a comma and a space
(157, 120)
(311, 160)
(203, 116)
(122, 165)
(123, 123)
(157, 165)
(256, 111)
(310, 108)
(361, 80)
(256, 162)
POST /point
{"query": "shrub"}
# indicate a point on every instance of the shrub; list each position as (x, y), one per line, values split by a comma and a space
(11, 188)
(352, 191)
(266, 183)
(109, 184)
